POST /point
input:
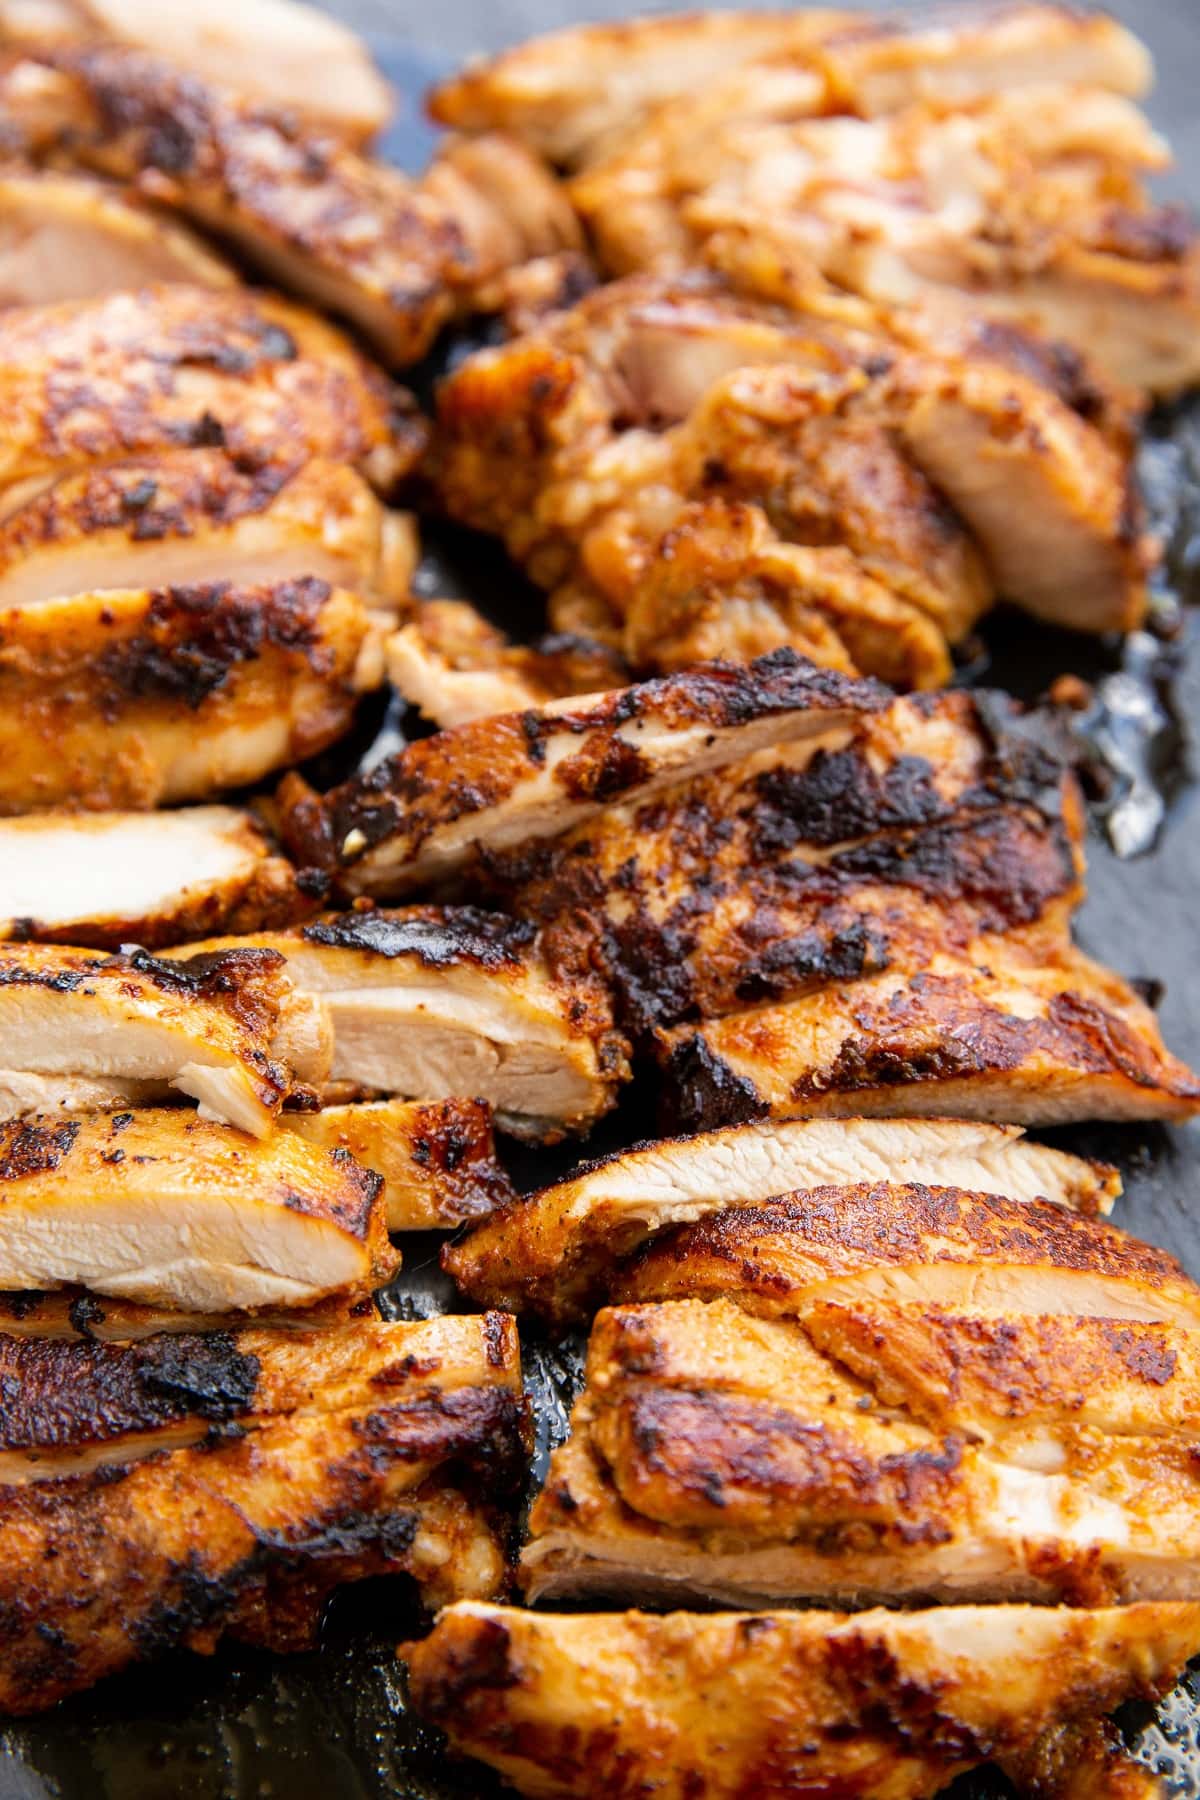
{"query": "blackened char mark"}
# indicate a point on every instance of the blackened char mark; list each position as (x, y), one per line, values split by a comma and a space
(701, 1092)
(438, 940)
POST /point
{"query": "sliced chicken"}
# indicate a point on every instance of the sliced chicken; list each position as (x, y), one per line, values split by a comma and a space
(557, 1250)
(612, 1706)
(107, 879)
(166, 1209)
(183, 517)
(576, 94)
(435, 1002)
(136, 698)
(277, 52)
(327, 1458)
(68, 237)
(173, 367)
(896, 1393)
(70, 1315)
(436, 1159)
(82, 1032)
(423, 816)
(1022, 1029)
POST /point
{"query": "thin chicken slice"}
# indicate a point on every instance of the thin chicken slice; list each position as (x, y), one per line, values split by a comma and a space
(436, 1159)
(69, 237)
(165, 1209)
(172, 367)
(424, 815)
(433, 1002)
(608, 1706)
(139, 698)
(403, 1472)
(186, 517)
(83, 1032)
(562, 1247)
(107, 879)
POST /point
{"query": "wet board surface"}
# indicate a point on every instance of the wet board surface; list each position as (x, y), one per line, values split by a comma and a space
(333, 1725)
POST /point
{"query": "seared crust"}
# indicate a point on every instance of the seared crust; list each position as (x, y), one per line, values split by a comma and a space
(136, 698)
(733, 1705)
(424, 814)
(249, 1533)
(168, 367)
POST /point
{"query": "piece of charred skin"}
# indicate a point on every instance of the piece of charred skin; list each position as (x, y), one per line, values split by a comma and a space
(83, 1032)
(134, 698)
(728, 1704)
(162, 1208)
(883, 1392)
(313, 1460)
(426, 815)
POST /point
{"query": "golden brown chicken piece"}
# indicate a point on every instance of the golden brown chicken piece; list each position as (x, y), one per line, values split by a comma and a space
(280, 53)
(182, 517)
(433, 1002)
(561, 1249)
(107, 879)
(378, 1449)
(68, 237)
(425, 815)
(187, 367)
(882, 1704)
(167, 1209)
(135, 698)
(698, 472)
(83, 1032)
(436, 1159)
(577, 94)
(884, 1393)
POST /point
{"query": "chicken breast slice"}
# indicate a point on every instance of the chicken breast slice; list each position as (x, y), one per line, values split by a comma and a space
(106, 879)
(398, 1474)
(183, 518)
(167, 1209)
(433, 1002)
(436, 1159)
(560, 1248)
(139, 698)
(80, 1031)
(584, 1706)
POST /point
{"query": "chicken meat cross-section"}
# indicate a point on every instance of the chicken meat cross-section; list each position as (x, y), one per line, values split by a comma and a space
(198, 1487)
(560, 1249)
(136, 698)
(706, 473)
(884, 1392)
(83, 1032)
(433, 1002)
(888, 1704)
(165, 1209)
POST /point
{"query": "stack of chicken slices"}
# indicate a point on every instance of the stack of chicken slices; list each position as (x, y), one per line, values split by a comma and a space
(810, 336)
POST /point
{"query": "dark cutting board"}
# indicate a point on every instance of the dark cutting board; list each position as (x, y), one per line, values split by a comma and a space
(332, 1725)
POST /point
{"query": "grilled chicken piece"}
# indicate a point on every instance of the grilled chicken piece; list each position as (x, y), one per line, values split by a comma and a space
(424, 815)
(135, 698)
(82, 1032)
(189, 516)
(166, 1209)
(434, 1002)
(107, 879)
(451, 664)
(1020, 1027)
(894, 1705)
(702, 472)
(436, 1159)
(67, 237)
(277, 52)
(575, 95)
(69, 1315)
(884, 1393)
(329, 1457)
(185, 367)
(556, 1251)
